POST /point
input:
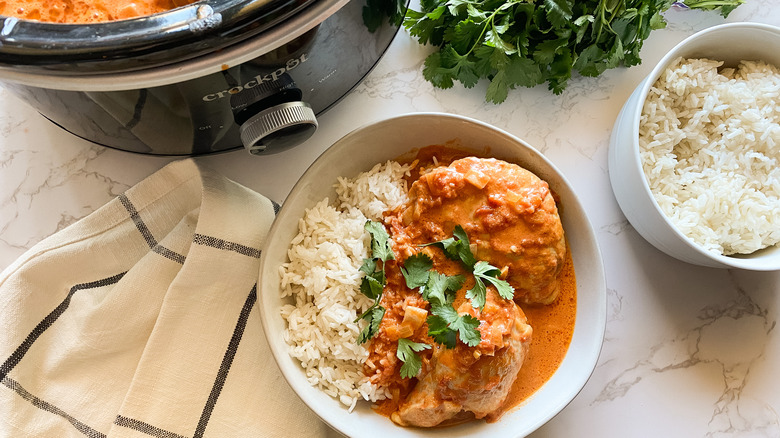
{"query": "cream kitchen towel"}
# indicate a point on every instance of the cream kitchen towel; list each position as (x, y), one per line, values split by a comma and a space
(141, 320)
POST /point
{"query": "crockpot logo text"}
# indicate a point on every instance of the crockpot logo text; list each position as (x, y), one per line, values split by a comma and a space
(257, 80)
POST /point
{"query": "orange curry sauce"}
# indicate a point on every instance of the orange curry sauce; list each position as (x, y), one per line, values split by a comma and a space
(85, 11)
(552, 324)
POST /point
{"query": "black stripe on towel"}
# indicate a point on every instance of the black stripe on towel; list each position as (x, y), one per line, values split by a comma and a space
(214, 242)
(39, 329)
(139, 223)
(227, 361)
(168, 254)
(22, 349)
(48, 407)
(147, 234)
(148, 429)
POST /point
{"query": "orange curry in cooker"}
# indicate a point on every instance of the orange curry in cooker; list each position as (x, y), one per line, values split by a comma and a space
(85, 11)
(512, 222)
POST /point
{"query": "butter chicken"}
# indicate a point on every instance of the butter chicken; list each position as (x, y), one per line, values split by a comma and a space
(512, 222)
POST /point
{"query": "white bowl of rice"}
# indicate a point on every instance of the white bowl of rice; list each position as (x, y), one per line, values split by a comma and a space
(694, 157)
(308, 301)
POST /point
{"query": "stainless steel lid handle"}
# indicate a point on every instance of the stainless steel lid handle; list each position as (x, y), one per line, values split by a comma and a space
(278, 128)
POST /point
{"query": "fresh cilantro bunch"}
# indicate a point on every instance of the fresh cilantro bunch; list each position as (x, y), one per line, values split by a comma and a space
(524, 43)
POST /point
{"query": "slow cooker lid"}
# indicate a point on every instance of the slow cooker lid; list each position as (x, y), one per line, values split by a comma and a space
(140, 43)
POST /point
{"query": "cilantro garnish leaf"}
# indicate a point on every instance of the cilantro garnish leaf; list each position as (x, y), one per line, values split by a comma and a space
(457, 247)
(505, 290)
(440, 288)
(368, 267)
(477, 294)
(371, 286)
(445, 322)
(381, 245)
(513, 43)
(374, 317)
(407, 354)
(483, 271)
(374, 280)
(445, 310)
(439, 329)
(416, 270)
(466, 325)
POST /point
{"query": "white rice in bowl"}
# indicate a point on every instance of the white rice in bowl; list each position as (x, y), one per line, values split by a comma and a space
(322, 278)
(709, 139)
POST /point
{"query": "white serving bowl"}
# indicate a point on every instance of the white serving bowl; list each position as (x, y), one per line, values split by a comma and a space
(388, 139)
(730, 43)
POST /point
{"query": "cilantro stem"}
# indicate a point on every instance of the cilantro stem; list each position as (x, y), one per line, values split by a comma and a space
(373, 306)
(709, 4)
(489, 22)
(613, 10)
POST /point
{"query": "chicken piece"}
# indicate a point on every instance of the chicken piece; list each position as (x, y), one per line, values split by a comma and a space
(471, 379)
(508, 213)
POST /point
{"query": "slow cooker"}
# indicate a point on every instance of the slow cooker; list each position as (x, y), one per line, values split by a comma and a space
(212, 76)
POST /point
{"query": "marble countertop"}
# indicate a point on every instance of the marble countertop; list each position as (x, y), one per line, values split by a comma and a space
(688, 351)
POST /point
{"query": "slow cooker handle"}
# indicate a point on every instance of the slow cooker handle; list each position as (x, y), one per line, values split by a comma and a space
(278, 127)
